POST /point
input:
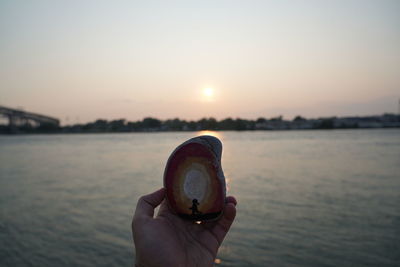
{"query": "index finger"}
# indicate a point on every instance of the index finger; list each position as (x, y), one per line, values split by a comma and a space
(147, 203)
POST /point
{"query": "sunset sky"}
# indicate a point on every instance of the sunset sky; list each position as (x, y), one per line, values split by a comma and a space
(83, 60)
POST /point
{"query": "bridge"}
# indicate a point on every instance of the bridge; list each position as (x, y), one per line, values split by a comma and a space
(18, 117)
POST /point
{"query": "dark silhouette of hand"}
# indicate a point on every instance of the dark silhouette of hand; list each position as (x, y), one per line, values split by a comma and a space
(168, 240)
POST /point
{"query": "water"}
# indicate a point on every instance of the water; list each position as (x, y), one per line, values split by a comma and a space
(306, 198)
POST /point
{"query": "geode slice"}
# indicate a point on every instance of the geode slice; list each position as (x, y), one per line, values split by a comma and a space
(194, 179)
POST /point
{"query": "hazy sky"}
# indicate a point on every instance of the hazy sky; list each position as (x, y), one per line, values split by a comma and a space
(83, 60)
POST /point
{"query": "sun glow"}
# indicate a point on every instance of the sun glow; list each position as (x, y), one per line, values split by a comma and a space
(208, 92)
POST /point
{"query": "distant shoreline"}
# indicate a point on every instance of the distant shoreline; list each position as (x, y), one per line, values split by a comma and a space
(211, 124)
(100, 133)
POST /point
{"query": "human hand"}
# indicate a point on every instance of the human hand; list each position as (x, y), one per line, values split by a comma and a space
(168, 240)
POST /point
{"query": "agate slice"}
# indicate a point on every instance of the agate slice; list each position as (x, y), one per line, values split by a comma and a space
(194, 180)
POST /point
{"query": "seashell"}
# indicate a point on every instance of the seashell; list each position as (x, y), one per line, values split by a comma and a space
(194, 180)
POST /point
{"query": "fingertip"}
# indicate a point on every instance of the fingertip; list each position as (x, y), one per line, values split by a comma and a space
(230, 211)
(231, 199)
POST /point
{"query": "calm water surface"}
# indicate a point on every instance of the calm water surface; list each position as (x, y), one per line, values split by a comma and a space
(306, 198)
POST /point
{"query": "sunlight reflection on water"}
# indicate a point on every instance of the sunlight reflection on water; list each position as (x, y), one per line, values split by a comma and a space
(219, 135)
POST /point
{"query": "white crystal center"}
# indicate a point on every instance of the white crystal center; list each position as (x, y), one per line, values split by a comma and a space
(195, 184)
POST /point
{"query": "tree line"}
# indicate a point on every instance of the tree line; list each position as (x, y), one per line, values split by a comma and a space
(150, 124)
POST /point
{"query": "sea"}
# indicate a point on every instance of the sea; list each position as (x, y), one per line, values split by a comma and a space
(305, 198)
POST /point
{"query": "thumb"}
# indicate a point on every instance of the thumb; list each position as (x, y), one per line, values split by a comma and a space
(147, 203)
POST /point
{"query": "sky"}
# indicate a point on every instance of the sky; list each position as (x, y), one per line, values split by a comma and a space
(83, 60)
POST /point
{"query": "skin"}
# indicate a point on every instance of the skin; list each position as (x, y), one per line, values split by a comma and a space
(168, 240)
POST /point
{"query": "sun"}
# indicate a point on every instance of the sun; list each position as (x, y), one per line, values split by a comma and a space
(208, 92)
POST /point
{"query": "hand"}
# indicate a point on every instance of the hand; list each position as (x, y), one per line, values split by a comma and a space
(168, 240)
